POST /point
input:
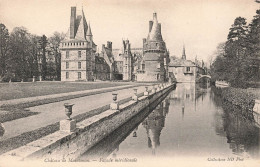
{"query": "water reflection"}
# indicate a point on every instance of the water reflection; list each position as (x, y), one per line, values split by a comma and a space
(238, 125)
(110, 145)
(187, 94)
(242, 134)
(193, 120)
(154, 124)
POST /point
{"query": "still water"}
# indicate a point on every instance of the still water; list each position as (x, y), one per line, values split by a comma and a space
(191, 121)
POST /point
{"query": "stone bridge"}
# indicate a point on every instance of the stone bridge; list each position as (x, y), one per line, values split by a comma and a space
(202, 76)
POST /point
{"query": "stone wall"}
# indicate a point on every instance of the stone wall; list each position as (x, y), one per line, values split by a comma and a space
(89, 132)
(181, 76)
(73, 69)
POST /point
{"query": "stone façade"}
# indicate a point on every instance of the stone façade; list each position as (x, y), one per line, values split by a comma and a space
(155, 55)
(79, 60)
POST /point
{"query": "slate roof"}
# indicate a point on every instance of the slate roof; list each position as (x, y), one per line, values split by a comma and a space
(108, 55)
(181, 63)
(81, 30)
(117, 53)
(155, 34)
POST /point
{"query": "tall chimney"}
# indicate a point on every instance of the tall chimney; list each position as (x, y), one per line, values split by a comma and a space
(72, 22)
(154, 16)
(109, 45)
(150, 25)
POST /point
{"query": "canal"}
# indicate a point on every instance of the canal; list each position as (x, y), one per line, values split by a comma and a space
(190, 121)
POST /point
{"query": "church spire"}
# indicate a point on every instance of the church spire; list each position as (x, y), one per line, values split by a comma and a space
(183, 53)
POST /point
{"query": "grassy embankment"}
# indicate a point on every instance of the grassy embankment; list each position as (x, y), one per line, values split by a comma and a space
(11, 91)
(241, 97)
(9, 144)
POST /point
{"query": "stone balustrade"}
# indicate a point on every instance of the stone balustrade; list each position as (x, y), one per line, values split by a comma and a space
(71, 142)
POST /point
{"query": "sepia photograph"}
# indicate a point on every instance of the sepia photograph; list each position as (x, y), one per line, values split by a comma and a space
(129, 83)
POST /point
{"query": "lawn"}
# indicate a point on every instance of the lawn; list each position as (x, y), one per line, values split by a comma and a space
(17, 90)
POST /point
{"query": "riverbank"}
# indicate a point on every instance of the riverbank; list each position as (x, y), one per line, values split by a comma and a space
(244, 98)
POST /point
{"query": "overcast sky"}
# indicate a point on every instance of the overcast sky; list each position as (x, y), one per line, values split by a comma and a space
(199, 24)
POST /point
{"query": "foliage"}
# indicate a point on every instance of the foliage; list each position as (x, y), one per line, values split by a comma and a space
(4, 40)
(237, 59)
(20, 59)
(219, 68)
(54, 47)
(253, 49)
(239, 97)
(43, 43)
(24, 55)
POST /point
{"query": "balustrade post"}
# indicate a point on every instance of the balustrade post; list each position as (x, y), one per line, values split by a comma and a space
(69, 124)
(135, 98)
(159, 87)
(34, 79)
(146, 93)
(153, 89)
(114, 105)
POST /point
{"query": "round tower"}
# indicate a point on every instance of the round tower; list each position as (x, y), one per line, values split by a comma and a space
(154, 49)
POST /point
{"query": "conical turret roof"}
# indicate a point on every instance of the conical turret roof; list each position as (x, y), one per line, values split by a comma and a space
(81, 27)
(155, 34)
(89, 33)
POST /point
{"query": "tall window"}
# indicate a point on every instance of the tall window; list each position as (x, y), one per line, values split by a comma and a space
(79, 54)
(143, 67)
(79, 75)
(67, 75)
(126, 61)
(67, 65)
(67, 54)
(79, 65)
(188, 69)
